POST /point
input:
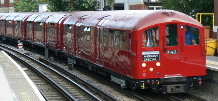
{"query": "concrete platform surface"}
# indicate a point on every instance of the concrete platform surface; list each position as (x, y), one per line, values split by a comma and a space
(15, 85)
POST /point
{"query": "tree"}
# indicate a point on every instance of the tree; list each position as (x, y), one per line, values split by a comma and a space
(71, 5)
(27, 5)
(57, 5)
(191, 7)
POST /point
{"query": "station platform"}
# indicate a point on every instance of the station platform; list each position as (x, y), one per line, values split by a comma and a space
(15, 85)
(212, 62)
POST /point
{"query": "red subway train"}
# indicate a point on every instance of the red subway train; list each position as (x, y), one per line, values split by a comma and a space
(163, 50)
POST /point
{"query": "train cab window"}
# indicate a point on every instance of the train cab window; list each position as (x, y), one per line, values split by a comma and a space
(123, 40)
(171, 35)
(192, 36)
(116, 39)
(150, 37)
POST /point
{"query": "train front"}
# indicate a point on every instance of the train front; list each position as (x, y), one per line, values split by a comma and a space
(170, 53)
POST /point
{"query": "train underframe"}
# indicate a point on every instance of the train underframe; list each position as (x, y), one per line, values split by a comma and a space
(164, 85)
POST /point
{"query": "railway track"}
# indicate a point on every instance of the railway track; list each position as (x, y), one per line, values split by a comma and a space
(145, 96)
(70, 89)
(138, 95)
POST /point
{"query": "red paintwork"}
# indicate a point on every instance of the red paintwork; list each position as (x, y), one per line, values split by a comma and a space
(130, 63)
(189, 61)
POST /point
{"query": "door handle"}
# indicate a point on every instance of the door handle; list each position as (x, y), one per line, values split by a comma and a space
(164, 49)
(202, 52)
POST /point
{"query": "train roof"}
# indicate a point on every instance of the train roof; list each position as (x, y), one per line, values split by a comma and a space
(39, 17)
(12, 16)
(130, 19)
(33, 17)
(22, 16)
(121, 19)
(55, 18)
(42, 17)
(1, 14)
(5, 15)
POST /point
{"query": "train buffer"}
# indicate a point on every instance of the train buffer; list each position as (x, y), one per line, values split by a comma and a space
(15, 85)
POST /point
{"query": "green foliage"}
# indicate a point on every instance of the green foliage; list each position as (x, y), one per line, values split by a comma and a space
(71, 5)
(110, 3)
(27, 5)
(191, 7)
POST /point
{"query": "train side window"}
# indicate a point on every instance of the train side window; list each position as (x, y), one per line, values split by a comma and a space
(86, 34)
(116, 39)
(92, 34)
(111, 38)
(101, 36)
(97, 39)
(150, 37)
(69, 31)
(105, 37)
(171, 35)
(130, 41)
(123, 40)
(192, 35)
(2, 26)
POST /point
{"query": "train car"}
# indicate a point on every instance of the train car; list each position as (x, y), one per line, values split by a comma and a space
(163, 50)
(68, 43)
(53, 35)
(3, 23)
(35, 28)
(140, 49)
(19, 25)
(1, 14)
(39, 28)
(10, 24)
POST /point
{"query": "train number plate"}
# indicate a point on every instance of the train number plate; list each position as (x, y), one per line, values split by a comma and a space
(172, 52)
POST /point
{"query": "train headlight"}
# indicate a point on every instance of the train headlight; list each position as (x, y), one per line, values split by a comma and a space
(143, 64)
(158, 64)
(151, 69)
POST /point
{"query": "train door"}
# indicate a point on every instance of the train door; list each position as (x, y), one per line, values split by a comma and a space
(79, 30)
(100, 42)
(192, 51)
(98, 38)
(171, 50)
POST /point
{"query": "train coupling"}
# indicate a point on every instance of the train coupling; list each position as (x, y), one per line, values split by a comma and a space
(176, 88)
